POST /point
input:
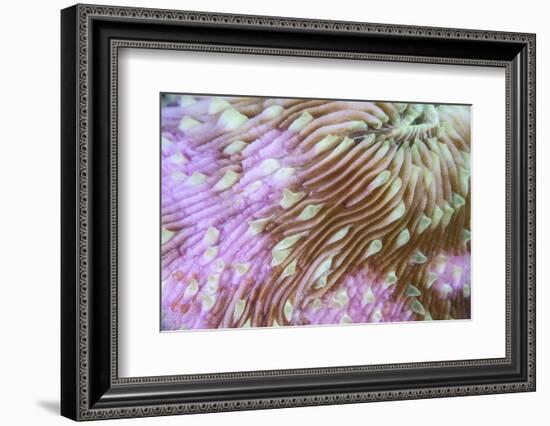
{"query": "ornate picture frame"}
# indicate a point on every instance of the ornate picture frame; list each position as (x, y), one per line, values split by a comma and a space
(91, 38)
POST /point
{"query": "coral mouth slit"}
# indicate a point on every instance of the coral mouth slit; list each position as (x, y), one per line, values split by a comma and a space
(294, 212)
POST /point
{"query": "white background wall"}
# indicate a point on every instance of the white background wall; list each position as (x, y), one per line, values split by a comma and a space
(29, 212)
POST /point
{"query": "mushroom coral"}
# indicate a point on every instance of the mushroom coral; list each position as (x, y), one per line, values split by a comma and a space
(279, 212)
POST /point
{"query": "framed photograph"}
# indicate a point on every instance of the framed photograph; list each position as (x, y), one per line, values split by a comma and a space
(263, 212)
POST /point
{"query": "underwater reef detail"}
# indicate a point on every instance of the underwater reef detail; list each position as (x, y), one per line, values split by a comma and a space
(288, 212)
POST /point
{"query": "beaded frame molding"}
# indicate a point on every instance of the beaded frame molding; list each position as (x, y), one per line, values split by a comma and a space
(91, 38)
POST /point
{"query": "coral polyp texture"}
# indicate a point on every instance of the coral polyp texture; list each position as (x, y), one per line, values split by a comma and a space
(293, 212)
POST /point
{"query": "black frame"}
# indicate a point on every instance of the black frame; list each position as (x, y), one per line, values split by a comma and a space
(90, 38)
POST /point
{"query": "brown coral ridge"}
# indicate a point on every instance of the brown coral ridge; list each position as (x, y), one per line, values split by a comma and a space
(425, 161)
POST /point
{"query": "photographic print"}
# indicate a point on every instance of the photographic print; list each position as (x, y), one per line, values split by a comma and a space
(304, 212)
(238, 181)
